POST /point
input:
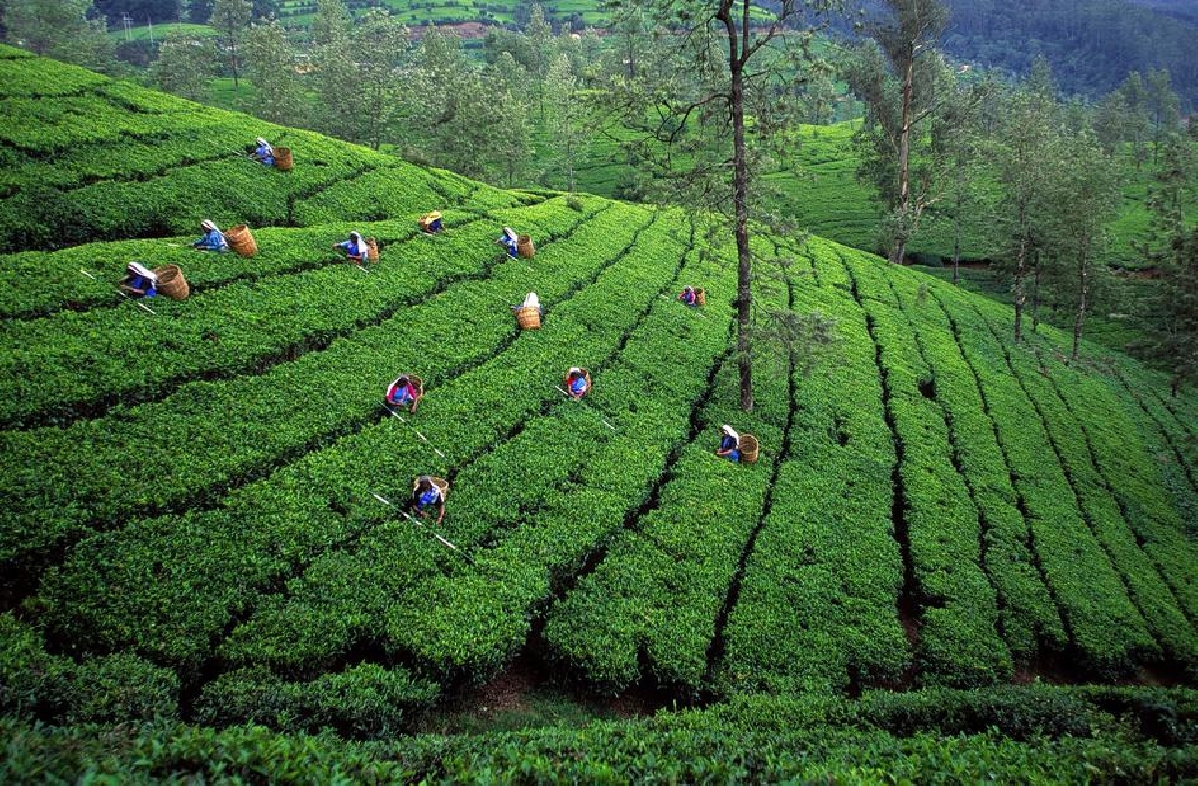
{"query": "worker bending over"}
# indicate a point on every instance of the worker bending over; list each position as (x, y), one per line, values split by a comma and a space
(355, 248)
(403, 393)
(531, 301)
(511, 241)
(576, 383)
(425, 497)
(138, 281)
(729, 445)
(431, 222)
(688, 296)
(213, 239)
(264, 152)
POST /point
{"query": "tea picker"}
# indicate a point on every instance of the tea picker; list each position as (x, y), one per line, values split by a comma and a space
(578, 384)
(123, 294)
(430, 223)
(736, 447)
(405, 391)
(264, 153)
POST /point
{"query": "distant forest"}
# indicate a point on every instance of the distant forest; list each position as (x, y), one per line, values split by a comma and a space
(1092, 45)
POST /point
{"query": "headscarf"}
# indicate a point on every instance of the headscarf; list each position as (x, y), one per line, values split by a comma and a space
(355, 236)
(532, 301)
(207, 224)
(509, 232)
(262, 141)
(142, 271)
(730, 431)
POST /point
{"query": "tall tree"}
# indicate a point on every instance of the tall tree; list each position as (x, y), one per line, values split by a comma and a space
(1164, 108)
(566, 114)
(339, 112)
(231, 18)
(1179, 340)
(185, 65)
(382, 47)
(540, 46)
(1083, 197)
(1021, 156)
(1139, 123)
(719, 57)
(909, 34)
(270, 62)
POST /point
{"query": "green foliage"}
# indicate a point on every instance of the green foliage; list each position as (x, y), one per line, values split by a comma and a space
(189, 524)
(1057, 735)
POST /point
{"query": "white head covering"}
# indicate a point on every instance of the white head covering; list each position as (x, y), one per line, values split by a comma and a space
(730, 431)
(510, 233)
(141, 270)
(532, 301)
(355, 235)
(262, 141)
(207, 224)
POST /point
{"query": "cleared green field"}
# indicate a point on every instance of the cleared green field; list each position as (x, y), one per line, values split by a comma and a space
(190, 529)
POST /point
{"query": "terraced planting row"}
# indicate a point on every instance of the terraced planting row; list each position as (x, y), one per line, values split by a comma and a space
(1027, 618)
(652, 609)
(1137, 526)
(817, 609)
(266, 530)
(107, 160)
(1104, 628)
(183, 461)
(528, 511)
(75, 365)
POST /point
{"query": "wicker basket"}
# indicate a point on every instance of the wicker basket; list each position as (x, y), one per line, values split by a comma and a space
(700, 296)
(528, 317)
(747, 445)
(172, 283)
(242, 241)
(525, 247)
(283, 160)
(372, 250)
(440, 483)
(585, 375)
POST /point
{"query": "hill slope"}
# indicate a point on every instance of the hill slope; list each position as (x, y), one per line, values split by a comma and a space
(190, 528)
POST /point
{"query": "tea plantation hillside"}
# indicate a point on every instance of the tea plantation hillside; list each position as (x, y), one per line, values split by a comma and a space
(194, 533)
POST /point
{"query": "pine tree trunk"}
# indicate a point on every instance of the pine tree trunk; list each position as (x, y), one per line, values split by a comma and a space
(957, 231)
(1020, 298)
(1036, 296)
(1083, 296)
(904, 163)
(740, 198)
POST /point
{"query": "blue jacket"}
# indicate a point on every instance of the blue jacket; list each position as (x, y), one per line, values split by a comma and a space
(353, 249)
(143, 283)
(212, 240)
(265, 154)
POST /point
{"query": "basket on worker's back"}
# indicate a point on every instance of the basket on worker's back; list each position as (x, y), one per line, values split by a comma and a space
(242, 241)
(283, 160)
(525, 247)
(417, 385)
(441, 483)
(747, 445)
(172, 283)
(700, 296)
(372, 249)
(528, 317)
